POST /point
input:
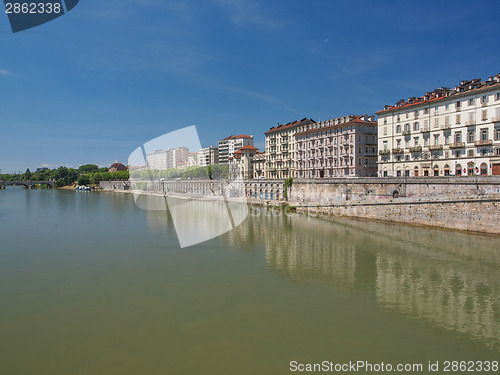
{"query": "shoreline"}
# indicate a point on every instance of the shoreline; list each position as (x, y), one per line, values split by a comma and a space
(393, 211)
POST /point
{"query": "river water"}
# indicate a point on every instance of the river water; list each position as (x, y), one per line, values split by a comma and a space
(92, 284)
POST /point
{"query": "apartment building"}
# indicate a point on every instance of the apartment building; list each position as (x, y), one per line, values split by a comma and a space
(228, 146)
(340, 147)
(445, 132)
(208, 156)
(280, 149)
(165, 159)
(258, 165)
(192, 160)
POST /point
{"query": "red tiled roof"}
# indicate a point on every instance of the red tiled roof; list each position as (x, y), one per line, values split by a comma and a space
(248, 147)
(238, 136)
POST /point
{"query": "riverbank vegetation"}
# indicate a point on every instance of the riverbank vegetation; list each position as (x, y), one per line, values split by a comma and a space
(88, 174)
(213, 171)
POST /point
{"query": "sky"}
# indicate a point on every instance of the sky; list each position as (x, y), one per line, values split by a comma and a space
(95, 84)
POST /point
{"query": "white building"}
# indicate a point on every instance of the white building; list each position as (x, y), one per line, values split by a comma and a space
(165, 159)
(445, 132)
(208, 156)
(228, 146)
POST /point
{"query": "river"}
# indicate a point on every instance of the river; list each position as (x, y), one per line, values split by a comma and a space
(92, 284)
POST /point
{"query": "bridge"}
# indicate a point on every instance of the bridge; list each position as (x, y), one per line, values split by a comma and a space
(28, 184)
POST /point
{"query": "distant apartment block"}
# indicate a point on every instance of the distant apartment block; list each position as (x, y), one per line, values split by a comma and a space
(280, 149)
(166, 159)
(445, 132)
(208, 156)
(341, 147)
(228, 146)
(192, 160)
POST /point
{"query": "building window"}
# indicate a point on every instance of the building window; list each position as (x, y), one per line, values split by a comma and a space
(457, 120)
(497, 134)
(398, 143)
(385, 130)
(446, 139)
(457, 153)
(436, 122)
(398, 118)
(497, 96)
(436, 111)
(458, 104)
(484, 99)
(471, 136)
(407, 114)
(484, 134)
(385, 120)
(426, 111)
(426, 141)
(407, 127)
(497, 151)
(447, 107)
(398, 129)
(471, 102)
(385, 145)
(484, 115)
(470, 153)
(407, 144)
(436, 139)
(415, 140)
(447, 154)
(416, 126)
(458, 137)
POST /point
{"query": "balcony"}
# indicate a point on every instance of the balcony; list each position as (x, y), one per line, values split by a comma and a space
(384, 152)
(495, 119)
(446, 126)
(457, 145)
(397, 150)
(425, 130)
(483, 142)
(416, 149)
(435, 147)
(407, 132)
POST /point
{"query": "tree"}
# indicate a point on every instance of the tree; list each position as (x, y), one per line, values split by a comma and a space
(88, 168)
(27, 174)
(84, 179)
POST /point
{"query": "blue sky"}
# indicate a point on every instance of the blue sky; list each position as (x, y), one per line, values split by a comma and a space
(91, 86)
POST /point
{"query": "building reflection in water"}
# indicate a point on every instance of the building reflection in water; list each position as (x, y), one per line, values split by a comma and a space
(443, 278)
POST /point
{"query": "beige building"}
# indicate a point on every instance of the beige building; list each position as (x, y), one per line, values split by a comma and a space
(192, 160)
(445, 132)
(280, 149)
(241, 164)
(341, 147)
(228, 146)
(258, 165)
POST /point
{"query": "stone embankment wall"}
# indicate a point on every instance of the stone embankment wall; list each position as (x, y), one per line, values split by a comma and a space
(463, 203)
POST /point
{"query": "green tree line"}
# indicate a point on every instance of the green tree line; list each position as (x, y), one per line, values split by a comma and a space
(83, 175)
(215, 171)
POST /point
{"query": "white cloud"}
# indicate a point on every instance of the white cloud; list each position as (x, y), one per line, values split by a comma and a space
(4, 73)
(246, 12)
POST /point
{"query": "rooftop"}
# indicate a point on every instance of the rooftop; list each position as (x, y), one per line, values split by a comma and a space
(338, 123)
(465, 88)
(279, 127)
